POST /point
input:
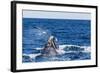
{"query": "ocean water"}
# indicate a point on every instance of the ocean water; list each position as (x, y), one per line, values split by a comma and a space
(73, 38)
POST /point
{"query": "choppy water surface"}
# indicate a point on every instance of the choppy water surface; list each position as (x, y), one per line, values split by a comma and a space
(73, 39)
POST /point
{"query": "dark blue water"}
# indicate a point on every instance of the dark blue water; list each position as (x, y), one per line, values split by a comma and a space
(36, 32)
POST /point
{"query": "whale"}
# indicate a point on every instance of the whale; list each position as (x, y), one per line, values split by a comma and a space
(50, 48)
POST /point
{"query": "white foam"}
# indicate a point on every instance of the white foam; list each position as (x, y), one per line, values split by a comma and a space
(39, 48)
(86, 48)
(60, 51)
(32, 55)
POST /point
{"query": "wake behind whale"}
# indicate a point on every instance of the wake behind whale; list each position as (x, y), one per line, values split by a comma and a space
(53, 52)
